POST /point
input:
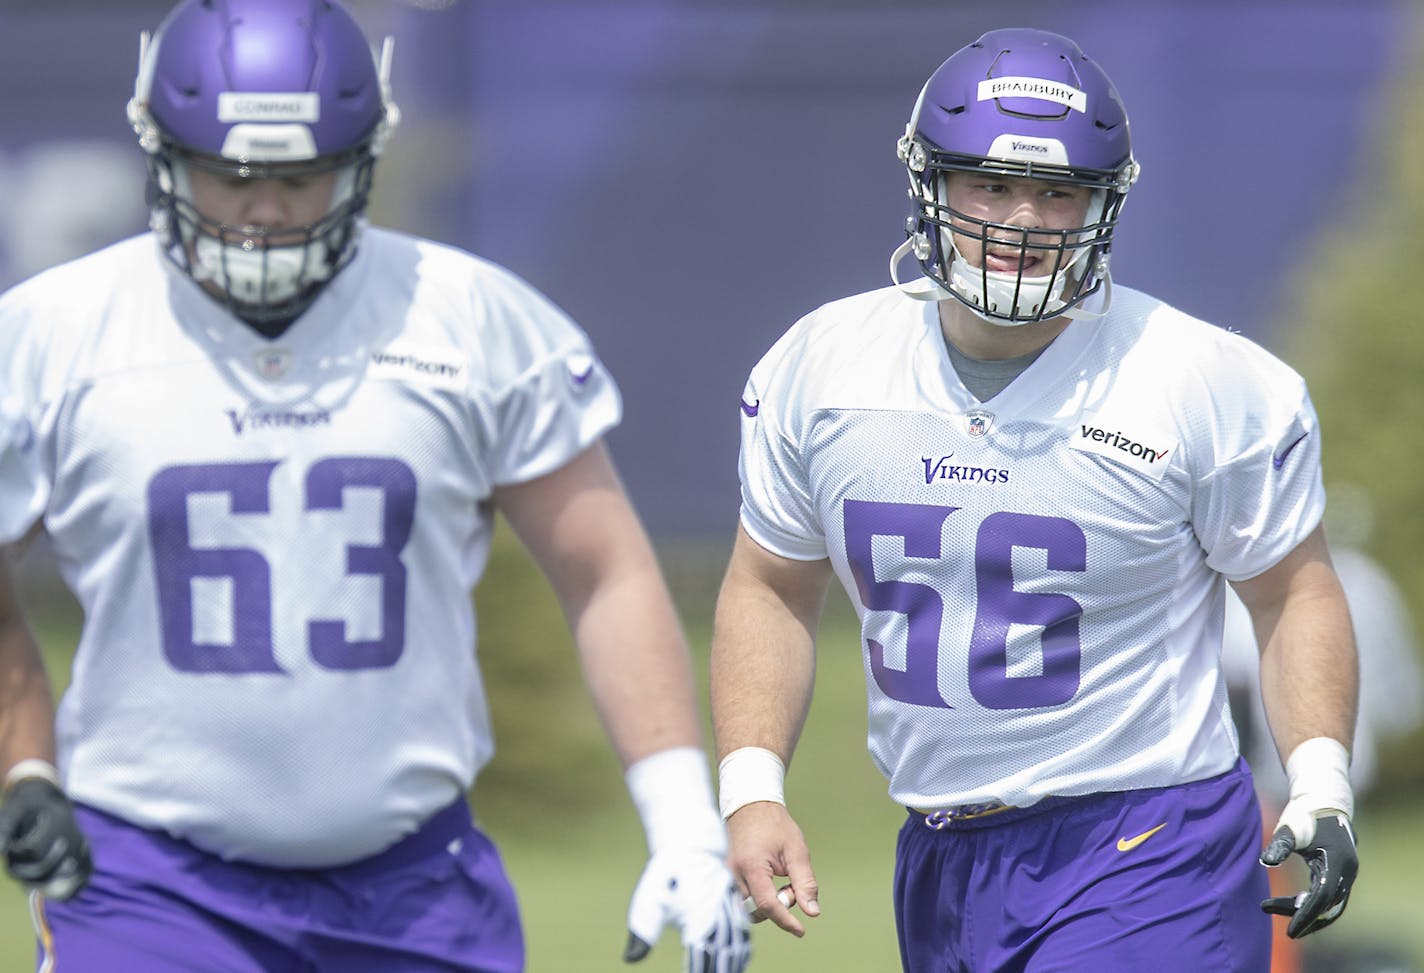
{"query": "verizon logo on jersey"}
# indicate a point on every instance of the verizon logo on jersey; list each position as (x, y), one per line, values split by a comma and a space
(1131, 450)
(439, 366)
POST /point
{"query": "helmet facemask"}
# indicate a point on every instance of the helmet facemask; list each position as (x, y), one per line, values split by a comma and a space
(266, 276)
(1057, 268)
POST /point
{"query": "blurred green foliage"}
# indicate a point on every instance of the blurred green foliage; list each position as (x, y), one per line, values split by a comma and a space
(550, 751)
(551, 754)
(1353, 325)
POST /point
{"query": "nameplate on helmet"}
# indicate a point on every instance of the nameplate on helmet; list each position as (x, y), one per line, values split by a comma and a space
(269, 106)
(1018, 87)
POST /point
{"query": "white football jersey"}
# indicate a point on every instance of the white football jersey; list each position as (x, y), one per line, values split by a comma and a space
(1039, 576)
(274, 542)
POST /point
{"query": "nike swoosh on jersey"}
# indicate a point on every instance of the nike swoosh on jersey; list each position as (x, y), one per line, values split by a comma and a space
(1276, 461)
(580, 366)
(1127, 844)
(752, 409)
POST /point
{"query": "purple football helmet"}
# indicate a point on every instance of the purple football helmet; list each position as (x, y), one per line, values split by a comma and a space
(1017, 102)
(261, 89)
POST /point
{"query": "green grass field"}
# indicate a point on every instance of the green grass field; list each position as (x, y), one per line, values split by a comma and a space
(575, 862)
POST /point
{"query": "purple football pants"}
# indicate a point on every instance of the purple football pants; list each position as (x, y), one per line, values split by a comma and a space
(1164, 879)
(437, 901)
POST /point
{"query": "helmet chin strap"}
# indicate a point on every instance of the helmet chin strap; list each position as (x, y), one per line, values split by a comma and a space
(1081, 311)
(995, 289)
(257, 277)
(929, 289)
(924, 289)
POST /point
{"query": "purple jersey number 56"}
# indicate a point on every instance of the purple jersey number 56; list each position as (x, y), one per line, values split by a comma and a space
(177, 563)
(999, 604)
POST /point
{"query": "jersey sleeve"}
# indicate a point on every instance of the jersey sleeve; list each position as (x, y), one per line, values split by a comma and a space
(778, 509)
(24, 478)
(558, 400)
(1265, 494)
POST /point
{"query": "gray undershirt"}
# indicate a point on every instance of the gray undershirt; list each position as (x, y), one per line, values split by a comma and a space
(986, 379)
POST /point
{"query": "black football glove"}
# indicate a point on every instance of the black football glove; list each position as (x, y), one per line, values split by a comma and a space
(1330, 854)
(43, 846)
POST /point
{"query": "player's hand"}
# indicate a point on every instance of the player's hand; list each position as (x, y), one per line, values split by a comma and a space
(43, 846)
(694, 891)
(767, 845)
(1326, 840)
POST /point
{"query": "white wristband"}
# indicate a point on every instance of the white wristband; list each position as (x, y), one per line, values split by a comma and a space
(747, 775)
(672, 790)
(32, 767)
(1320, 769)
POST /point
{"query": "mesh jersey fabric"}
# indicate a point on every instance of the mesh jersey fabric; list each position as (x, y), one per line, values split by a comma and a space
(274, 542)
(1038, 576)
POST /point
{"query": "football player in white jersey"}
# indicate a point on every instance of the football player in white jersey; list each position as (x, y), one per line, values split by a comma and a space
(1034, 489)
(267, 442)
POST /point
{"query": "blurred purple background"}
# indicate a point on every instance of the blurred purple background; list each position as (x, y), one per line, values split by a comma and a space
(688, 177)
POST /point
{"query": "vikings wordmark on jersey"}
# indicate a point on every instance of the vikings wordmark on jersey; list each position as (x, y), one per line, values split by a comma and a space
(307, 516)
(983, 544)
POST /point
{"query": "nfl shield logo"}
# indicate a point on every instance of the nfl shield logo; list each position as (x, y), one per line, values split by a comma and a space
(272, 363)
(979, 422)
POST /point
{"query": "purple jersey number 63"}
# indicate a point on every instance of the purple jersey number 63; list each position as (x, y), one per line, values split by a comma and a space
(177, 563)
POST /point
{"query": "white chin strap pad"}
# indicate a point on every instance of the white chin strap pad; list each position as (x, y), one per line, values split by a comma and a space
(1007, 293)
(966, 282)
(268, 276)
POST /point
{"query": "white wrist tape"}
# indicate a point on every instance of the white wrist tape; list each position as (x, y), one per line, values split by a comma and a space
(747, 775)
(1319, 772)
(32, 767)
(672, 790)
